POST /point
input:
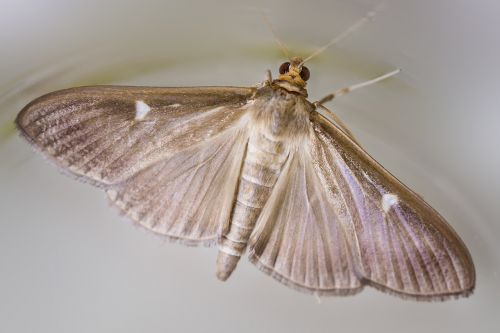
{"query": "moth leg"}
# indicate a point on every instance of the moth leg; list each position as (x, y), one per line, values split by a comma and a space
(339, 123)
(269, 77)
(347, 90)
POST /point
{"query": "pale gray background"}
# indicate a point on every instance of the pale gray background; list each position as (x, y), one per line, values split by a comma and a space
(69, 263)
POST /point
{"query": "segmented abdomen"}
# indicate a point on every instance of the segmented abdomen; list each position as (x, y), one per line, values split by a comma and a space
(262, 165)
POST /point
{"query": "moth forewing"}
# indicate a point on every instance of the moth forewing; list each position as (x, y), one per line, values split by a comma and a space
(231, 166)
(105, 134)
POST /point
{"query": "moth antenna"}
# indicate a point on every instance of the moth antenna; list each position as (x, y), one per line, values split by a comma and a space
(281, 45)
(347, 90)
(358, 24)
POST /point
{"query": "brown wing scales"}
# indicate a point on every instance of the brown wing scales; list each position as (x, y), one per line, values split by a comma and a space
(405, 246)
(169, 157)
(94, 132)
(300, 239)
(189, 196)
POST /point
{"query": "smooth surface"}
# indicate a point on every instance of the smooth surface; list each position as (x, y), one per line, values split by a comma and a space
(68, 262)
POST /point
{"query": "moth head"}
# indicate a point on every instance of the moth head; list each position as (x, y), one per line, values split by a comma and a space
(294, 72)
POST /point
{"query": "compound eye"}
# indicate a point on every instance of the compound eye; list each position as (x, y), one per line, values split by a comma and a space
(284, 67)
(304, 73)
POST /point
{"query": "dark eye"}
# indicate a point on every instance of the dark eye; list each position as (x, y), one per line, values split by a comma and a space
(304, 73)
(284, 67)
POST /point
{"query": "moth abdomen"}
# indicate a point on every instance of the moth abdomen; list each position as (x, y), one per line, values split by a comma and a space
(261, 168)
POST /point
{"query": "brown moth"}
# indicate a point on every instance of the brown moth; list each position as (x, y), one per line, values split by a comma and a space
(257, 168)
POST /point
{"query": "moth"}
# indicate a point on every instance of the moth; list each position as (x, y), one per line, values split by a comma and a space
(257, 169)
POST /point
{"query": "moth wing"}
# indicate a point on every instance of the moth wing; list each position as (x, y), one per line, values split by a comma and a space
(403, 245)
(393, 240)
(187, 197)
(106, 134)
(299, 239)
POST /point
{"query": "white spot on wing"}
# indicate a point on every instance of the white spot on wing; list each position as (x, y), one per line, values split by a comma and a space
(176, 105)
(141, 110)
(389, 200)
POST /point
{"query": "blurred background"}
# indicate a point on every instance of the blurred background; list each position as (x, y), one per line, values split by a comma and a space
(70, 263)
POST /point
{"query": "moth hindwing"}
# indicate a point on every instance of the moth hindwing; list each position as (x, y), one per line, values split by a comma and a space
(255, 168)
